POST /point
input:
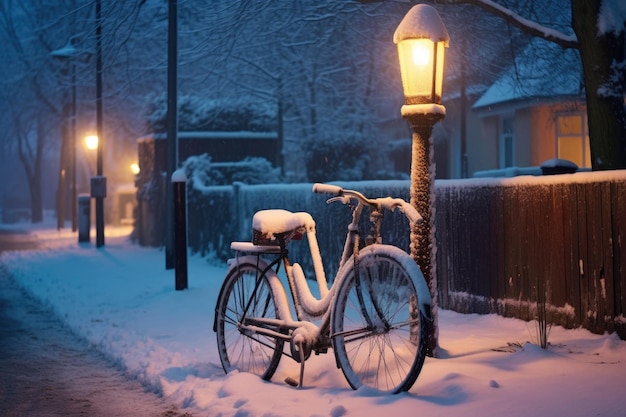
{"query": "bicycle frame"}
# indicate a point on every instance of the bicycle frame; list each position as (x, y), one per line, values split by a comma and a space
(308, 307)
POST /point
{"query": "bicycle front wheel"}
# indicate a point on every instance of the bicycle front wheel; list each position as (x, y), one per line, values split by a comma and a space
(379, 333)
(247, 295)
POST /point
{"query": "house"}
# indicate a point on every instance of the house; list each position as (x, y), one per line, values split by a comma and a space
(534, 112)
(222, 147)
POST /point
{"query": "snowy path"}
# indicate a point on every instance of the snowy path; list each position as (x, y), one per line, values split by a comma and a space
(47, 371)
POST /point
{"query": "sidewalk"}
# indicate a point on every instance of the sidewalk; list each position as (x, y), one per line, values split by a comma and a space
(122, 300)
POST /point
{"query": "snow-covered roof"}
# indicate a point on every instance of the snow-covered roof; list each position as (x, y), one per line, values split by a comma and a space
(543, 70)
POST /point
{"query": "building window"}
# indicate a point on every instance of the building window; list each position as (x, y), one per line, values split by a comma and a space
(572, 139)
(507, 143)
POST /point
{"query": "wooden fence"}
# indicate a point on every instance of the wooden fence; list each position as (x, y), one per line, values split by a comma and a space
(512, 245)
(504, 246)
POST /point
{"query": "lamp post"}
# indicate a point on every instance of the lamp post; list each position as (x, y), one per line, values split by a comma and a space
(70, 53)
(99, 182)
(422, 38)
(67, 53)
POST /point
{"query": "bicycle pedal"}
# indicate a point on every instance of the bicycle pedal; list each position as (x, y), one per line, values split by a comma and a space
(290, 381)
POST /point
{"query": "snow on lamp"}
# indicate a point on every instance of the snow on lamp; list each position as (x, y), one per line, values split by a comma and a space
(422, 39)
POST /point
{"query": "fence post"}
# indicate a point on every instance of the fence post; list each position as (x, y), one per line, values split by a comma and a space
(179, 183)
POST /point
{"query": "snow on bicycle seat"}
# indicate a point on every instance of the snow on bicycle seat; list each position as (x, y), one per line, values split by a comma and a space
(278, 226)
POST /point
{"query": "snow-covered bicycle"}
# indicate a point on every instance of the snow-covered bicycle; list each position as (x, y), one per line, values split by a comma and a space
(374, 316)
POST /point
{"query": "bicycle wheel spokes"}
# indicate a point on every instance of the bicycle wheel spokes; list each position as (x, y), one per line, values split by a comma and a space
(240, 347)
(377, 326)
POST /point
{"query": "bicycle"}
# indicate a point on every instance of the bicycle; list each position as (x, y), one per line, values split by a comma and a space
(374, 315)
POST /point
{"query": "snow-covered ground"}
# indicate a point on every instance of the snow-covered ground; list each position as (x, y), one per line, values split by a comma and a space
(122, 300)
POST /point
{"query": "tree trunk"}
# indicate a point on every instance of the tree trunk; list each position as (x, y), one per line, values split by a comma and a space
(36, 203)
(34, 180)
(604, 92)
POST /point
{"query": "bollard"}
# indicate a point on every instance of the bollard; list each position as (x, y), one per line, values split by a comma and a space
(84, 217)
(179, 183)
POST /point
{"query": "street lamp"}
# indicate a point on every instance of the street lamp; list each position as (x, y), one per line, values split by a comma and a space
(67, 53)
(99, 182)
(422, 39)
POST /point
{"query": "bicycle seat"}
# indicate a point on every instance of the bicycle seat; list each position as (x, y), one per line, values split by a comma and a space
(278, 226)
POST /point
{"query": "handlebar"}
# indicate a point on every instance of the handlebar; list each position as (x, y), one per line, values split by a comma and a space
(377, 203)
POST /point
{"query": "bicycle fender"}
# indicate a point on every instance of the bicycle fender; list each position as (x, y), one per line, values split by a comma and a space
(279, 292)
(423, 292)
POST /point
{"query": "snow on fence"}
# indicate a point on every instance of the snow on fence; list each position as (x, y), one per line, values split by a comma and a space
(513, 246)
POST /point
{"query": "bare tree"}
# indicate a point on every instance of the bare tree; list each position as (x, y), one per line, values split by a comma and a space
(24, 84)
(37, 85)
(320, 61)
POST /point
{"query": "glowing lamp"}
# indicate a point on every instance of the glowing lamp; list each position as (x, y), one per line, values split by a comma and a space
(91, 142)
(422, 39)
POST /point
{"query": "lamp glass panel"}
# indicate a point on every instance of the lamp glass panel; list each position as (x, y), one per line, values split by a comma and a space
(441, 48)
(416, 67)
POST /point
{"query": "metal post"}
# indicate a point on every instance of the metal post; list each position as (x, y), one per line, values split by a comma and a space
(99, 196)
(423, 245)
(172, 129)
(73, 151)
(179, 183)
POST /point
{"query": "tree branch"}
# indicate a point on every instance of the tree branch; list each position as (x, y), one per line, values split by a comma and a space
(514, 19)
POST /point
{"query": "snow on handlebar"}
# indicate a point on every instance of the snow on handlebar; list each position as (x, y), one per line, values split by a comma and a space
(409, 211)
(327, 189)
(386, 203)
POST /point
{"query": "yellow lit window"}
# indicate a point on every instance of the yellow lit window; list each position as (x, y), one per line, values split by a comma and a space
(572, 139)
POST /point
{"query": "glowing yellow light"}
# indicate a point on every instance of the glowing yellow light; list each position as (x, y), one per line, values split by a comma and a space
(134, 167)
(91, 142)
(421, 53)
(416, 67)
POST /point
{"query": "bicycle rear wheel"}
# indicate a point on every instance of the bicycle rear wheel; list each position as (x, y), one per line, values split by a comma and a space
(240, 347)
(379, 333)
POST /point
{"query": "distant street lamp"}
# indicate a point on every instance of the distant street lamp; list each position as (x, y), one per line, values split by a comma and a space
(91, 142)
(422, 38)
(70, 53)
(67, 53)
